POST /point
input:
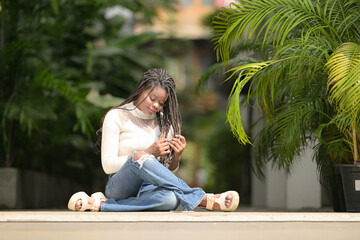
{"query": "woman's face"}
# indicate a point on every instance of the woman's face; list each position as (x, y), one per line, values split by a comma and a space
(151, 101)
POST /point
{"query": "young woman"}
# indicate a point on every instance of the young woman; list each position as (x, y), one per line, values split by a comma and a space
(141, 146)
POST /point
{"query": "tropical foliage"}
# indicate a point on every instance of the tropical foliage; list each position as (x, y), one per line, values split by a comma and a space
(54, 55)
(305, 79)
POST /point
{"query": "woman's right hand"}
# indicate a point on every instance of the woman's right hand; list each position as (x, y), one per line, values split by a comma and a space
(159, 148)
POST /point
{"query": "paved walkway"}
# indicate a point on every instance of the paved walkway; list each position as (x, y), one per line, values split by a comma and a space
(63, 224)
(176, 216)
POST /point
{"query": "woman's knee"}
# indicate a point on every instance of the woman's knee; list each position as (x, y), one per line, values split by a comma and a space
(170, 201)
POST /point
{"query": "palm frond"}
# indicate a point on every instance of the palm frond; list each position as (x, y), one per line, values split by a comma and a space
(221, 68)
(245, 74)
(269, 20)
(290, 86)
(282, 139)
(344, 83)
(296, 66)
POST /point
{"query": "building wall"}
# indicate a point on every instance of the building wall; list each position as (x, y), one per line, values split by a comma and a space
(299, 189)
(186, 21)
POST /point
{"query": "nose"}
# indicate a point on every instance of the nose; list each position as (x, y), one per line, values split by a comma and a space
(156, 106)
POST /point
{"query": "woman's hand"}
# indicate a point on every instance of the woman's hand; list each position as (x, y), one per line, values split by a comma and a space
(178, 144)
(159, 148)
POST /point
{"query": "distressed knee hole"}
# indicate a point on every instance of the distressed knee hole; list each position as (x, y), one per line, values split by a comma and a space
(142, 159)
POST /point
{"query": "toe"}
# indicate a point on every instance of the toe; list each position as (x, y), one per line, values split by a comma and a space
(78, 205)
(228, 199)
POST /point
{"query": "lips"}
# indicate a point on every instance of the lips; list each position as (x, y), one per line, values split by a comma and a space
(152, 110)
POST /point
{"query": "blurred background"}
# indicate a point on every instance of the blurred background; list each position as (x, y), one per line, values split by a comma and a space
(64, 63)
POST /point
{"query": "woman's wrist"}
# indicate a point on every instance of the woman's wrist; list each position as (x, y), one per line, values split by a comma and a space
(175, 162)
(148, 151)
(139, 154)
(177, 156)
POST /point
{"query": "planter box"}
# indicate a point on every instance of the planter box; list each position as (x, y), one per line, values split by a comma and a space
(337, 191)
(30, 189)
(350, 175)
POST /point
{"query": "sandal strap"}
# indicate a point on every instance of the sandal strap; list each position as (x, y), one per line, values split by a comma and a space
(210, 201)
(85, 204)
(234, 203)
(99, 198)
(96, 205)
(75, 198)
(221, 201)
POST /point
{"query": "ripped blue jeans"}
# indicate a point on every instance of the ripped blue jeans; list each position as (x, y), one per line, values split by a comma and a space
(146, 185)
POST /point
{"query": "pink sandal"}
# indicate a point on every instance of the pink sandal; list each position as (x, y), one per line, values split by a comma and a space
(211, 200)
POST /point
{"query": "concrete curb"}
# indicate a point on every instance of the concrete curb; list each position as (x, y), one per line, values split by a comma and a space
(174, 216)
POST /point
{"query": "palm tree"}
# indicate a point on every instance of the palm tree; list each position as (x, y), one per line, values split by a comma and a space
(306, 81)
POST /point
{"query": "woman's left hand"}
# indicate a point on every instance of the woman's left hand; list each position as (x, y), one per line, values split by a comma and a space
(178, 144)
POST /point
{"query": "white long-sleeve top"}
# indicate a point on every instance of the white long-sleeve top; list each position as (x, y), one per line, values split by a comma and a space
(124, 131)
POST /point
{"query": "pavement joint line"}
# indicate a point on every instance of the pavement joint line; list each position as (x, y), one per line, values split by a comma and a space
(175, 216)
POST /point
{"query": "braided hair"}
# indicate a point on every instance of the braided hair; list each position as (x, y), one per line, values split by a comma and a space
(169, 118)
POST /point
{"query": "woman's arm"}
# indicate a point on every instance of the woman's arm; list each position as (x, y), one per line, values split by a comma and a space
(111, 129)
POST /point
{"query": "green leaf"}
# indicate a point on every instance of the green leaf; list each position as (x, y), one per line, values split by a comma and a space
(344, 83)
